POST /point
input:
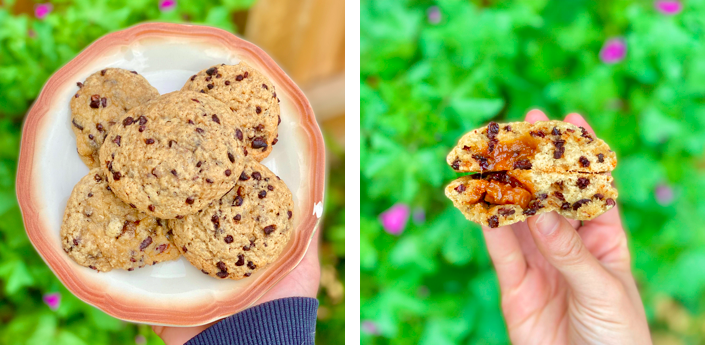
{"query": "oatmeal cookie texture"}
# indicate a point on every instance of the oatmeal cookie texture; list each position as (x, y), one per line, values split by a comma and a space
(173, 155)
(101, 100)
(102, 232)
(526, 169)
(251, 97)
(243, 231)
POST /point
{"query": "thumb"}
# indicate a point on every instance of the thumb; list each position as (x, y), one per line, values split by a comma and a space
(563, 248)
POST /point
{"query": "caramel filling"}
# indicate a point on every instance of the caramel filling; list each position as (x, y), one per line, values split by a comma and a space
(508, 154)
(498, 189)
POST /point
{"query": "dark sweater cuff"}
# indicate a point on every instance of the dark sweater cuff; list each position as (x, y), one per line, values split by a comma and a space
(282, 321)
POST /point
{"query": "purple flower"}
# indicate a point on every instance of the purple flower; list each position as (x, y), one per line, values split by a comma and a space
(394, 219)
(53, 300)
(369, 327)
(668, 7)
(167, 5)
(434, 15)
(140, 339)
(41, 10)
(613, 51)
(664, 194)
(419, 215)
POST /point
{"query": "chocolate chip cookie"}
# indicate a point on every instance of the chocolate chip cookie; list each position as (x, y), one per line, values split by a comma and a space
(251, 97)
(243, 231)
(173, 155)
(101, 100)
(101, 232)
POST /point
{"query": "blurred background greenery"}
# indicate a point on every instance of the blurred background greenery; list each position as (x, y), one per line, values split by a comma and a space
(433, 70)
(37, 39)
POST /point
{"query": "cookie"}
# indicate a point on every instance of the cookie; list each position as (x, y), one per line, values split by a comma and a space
(243, 231)
(173, 155)
(101, 100)
(251, 97)
(550, 146)
(502, 198)
(101, 232)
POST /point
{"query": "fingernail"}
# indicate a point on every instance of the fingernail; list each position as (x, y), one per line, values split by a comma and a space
(547, 223)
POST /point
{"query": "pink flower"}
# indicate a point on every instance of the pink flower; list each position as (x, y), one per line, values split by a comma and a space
(53, 300)
(613, 51)
(42, 10)
(664, 194)
(668, 7)
(140, 339)
(167, 5)
(419, 215)
(394, 219)
(369, 327)
(434, 15)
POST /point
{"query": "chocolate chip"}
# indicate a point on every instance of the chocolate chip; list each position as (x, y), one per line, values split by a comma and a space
(102, 72)
(76, 124)
(456, 164)
(262, 194)
(202, 91)
(80, 85)
(600, 158)
(460, 188)
(173, 172)
(193, 77)
(269, 229)
(598, 196)
(151, 208)
(523, 164)
(570, 130)
(580, 203)
(127, 121)
(556, 131)
(149, 141)
(142, 128)
(211, 71)
(116, 176)
(259, 143)
(90, 136)
(583, 182)
(492, 130)
(256, 175)
(221, 266)
(237, 201)
(95, 101)
(542, 196)
(198, 164)
(99, 127)
(184, 249)
(275, 141)
(209, 180)
(481, 160)
(104, 102)
(565, 206)
(246, 74)
(133, 72)
(108, 188)
(204, 271)
(215, 119)
(270, 187)
(493, 221)
(560, 149)
(506, 211)
(90, 195)
(133, 206)
(228, 172)
(238, 134)
(289, 214)
(610, 202)
(259, 127)
(209, 86)
(200, 130)
(76, 95)
(585, 134)
(239, 77)
(180, 216)
(264, 86)
(160, 248)
(258, 110)
(240, 260)
(559, 195)
(189, 200)
(280, 119)
(190, 122)
(232, 159)
(490, 146)
(540, 134)
(584, 162)
(533, 207)
(142, 120)
(244, 176)
(251, 265)
(274, 95)
(508, 128)
(237, 217)
(222, 274)
(117, 140)
(147, 241)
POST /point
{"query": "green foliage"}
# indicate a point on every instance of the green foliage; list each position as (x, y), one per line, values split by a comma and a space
(30, 51)
(423, 85)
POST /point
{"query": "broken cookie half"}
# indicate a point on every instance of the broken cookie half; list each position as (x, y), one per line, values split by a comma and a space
(525, 169)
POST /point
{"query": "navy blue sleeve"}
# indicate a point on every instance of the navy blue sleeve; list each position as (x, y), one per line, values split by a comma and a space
(282, 321)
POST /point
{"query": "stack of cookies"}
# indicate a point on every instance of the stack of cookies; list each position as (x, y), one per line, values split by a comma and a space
(177, 174)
